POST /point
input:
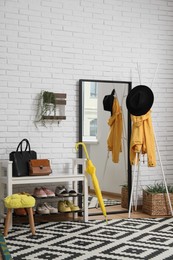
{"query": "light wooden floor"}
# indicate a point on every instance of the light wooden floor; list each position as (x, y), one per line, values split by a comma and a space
(134, 214)
(137, 214)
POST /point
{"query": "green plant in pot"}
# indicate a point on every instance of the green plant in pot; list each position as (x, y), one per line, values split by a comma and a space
(46, 106)
(158, 188)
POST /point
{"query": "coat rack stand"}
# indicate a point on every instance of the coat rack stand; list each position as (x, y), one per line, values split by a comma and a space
(137, 163)
(137, 171)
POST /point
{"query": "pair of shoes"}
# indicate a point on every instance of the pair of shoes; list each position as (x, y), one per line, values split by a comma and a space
(67, 206)
(72, 206)
(22, 212)
(62, 192)
(48, 192)
(50, 208)
(43, 192)
(62, 206)
(46, 208)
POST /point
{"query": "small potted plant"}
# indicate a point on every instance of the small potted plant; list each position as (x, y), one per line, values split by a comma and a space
(155, 199)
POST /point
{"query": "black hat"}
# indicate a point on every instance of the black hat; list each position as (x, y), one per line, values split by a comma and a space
(108, 101)
(139, 100)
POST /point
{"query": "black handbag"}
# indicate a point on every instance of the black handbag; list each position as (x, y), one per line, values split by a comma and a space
(21, 158)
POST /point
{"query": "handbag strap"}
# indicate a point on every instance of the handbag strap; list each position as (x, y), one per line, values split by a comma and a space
(26, 147)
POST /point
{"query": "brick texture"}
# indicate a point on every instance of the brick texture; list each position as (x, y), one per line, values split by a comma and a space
(50, 45)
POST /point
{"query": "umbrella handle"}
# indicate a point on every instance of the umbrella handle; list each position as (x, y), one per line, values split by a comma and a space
(84, 146)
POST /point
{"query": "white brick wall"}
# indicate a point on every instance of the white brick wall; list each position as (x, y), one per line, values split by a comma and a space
(51, 44)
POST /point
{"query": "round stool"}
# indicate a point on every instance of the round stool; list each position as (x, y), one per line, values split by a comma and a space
(19, 200)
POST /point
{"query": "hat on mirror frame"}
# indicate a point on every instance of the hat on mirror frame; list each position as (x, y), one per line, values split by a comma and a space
(139, 100)
(108, 101)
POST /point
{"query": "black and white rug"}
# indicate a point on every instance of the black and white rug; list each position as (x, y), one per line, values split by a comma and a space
(93, 202)
(147, 239)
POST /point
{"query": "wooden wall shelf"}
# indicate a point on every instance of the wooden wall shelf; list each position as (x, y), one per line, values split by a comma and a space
(60, 99)
(54, 117)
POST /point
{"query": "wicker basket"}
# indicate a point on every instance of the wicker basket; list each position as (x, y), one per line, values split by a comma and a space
(156, 204)
(124, 197)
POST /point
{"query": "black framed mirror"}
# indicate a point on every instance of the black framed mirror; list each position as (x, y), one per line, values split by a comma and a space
(94, 131)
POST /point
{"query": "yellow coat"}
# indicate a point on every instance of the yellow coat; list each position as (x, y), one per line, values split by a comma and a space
(142, 138)
(115, 133)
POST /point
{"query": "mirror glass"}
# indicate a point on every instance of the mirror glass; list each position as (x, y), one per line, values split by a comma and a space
(94, 131)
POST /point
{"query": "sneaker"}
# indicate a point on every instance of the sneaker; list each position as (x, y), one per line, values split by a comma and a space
(41, 209)
(72, 193)
(62, 207)
(50, 208)
(72, 206)
(48, 192)
(39, 193)
(61, 191)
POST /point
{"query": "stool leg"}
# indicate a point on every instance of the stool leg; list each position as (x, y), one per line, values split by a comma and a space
(31, 220)
(7, 222)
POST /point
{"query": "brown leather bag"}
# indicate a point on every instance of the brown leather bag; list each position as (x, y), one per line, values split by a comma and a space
(39, 167)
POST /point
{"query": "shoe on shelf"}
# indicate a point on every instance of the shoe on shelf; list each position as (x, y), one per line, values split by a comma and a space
(61, 191)
(42, 209)
(50, 208)
(72, 206)
(62, 206)
(20, 212)
(39, 193)
(72, 193)
(48, 192)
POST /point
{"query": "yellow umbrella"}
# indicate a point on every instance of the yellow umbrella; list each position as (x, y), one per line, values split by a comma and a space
(91, 169)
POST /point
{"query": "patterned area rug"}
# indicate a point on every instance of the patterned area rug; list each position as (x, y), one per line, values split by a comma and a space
(93, 202)
(147, 239)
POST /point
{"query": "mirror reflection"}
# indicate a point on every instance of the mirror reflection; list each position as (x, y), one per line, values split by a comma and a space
(90, 111)
(94, 131)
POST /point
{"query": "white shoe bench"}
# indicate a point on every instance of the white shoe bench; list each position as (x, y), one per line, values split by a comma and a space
(7, 182)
